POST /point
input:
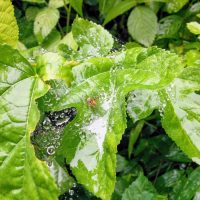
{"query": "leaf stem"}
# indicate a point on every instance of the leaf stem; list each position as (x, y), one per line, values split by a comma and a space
(60, 28)
(68, 18)
(68, 10)
(158, 171)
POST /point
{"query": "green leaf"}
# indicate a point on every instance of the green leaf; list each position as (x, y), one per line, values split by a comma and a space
(69, 41)
(105, 6)
(91, 67)
(166, 182)
(57, 3)
(169, 27)
(56, 92)
(140, 189)
(192, 58)
(121, 184)
(22, 175)
(77, 5)
(195, 8)
(94, 134)
(142, 25)
(137, 57)
(118, 8)
(189, 187)
(26, 33)
(175, 5)
(44, 22)
(175, 154)
(31, 13)
(122, 163)
(35, 1)
(179, 107)
(51, 42)
(8, 26)
(134, 134)
(181, 118)
(53, 66)
(141, 103)
(91, 38)
(194, 27)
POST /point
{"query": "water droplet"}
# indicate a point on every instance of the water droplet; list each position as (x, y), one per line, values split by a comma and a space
(74, 185)
(51, 150)
(71, 192)
(49, 163)
(46, 121)
(53, 128)
(62, 115)
(183, 166)
(57, 137)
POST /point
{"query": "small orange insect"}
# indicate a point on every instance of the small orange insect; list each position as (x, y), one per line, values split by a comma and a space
(91, 101)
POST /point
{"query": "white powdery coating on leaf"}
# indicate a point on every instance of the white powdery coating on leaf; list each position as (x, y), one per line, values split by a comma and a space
(106, 105)
(86, 155)
(98, 127)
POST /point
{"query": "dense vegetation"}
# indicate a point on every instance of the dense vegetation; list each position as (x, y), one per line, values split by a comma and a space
(99, 99)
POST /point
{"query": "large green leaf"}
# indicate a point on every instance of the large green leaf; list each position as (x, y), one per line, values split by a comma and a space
(181, 108)
(22, 175)
(92, 39)
(138, 58)
(94, 134)
(142, 25)
(8, 25)
(44, 22)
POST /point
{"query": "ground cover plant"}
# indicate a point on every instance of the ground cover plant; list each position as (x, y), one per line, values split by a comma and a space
(99, 99)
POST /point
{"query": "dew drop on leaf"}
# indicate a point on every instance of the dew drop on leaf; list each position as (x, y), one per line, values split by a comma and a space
(49, 163)
(71, 192)
(74, 185)
(51, 150)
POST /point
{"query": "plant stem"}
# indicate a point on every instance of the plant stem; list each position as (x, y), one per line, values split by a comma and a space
(68, 10)
(151, 125)
(68, 17)
(60, 28)
(158, 171)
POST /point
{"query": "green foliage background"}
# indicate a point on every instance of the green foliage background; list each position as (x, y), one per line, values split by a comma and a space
(99, 99)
